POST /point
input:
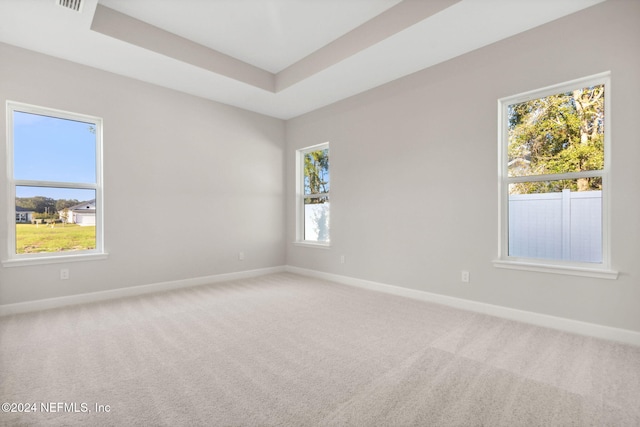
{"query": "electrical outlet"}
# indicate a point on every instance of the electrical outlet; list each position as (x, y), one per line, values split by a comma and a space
(241, 256)
(64, 273)
(465, 276)
(342, 259)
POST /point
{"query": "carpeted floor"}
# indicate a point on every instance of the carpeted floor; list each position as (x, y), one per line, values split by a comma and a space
(288, 350)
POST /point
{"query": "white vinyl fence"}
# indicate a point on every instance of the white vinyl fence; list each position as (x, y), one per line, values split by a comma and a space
(560, 226)
(316, 222)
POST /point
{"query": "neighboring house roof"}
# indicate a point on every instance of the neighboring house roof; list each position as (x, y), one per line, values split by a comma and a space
(21, 209)
(88, 206)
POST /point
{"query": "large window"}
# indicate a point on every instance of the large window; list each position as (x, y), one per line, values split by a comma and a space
(554, 170)
(54, 177)
(313, 194)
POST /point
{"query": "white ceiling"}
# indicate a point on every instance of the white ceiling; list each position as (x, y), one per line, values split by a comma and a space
(270, 34)
(281, 58)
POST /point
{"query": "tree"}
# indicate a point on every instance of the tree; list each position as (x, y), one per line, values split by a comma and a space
(65, 216)
(39, 204)
(557, 134)
(316, 175)
(62, 204)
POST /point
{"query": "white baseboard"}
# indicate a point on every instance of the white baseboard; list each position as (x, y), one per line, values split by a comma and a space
(545, 320)
(44, 304)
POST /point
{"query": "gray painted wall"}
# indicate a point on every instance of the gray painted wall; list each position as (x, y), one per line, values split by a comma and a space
(183, 180)
(414, 171)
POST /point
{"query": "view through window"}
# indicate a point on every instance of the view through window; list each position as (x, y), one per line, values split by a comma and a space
(315, 183)
(55, 181)
(554, 174)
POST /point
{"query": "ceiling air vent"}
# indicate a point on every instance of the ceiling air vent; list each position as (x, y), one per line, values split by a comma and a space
(71, 4)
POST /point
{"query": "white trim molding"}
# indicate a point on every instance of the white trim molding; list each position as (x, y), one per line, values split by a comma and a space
(564, 264)
(13, 258)
(301, 196)
(557, 269)
(54, 259)
(45, 304)
(313, 245)
(563, 324)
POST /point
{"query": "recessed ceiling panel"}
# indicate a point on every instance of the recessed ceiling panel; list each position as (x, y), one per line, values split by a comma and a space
(270, 34)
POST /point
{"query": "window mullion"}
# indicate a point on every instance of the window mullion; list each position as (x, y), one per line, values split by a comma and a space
(316, 195)
(53, 184)
(554, 177)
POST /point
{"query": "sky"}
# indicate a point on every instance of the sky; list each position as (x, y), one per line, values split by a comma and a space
(53, 149)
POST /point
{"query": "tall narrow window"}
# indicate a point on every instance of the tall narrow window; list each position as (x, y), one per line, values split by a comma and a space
(313, 194)
(54, 168)
(554, 175)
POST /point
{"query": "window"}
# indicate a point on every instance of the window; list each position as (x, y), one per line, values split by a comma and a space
(313, 194)
(554, 170)
(55, 184)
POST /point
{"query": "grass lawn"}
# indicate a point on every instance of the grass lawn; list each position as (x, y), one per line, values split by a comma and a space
(42, 238)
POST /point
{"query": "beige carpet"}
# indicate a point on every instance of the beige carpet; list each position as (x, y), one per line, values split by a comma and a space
(292, 351)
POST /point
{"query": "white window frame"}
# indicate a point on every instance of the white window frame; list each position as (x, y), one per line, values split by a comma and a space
(13, 259)
(300, 196)
(600, 270)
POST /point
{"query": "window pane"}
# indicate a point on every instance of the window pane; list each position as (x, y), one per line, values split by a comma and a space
(316, 172)
(316, 219)
(553, 221)
(55, 219)
(53, 149)
(557, 134)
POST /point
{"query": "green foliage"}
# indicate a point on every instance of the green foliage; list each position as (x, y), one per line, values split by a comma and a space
(38, 204)
(557, 134)
(45, 216)
(316, 175)
(41, 204)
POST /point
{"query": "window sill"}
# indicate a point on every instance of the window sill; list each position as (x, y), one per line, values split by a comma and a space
(22, 262)
(313, 245)
(599, 273)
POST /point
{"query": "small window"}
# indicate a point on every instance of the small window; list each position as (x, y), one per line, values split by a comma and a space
(54, 164)
(554, 173)
(313, 194)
